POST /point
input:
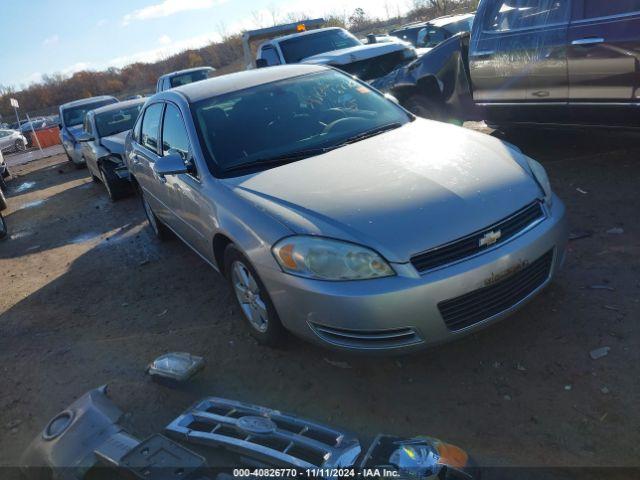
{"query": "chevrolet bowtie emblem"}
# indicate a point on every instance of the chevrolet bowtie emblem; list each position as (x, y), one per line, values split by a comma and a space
(489, 238)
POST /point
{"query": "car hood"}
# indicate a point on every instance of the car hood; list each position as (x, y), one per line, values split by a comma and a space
(75, 130)
(353, 54)
(401, 192)
(115, 143)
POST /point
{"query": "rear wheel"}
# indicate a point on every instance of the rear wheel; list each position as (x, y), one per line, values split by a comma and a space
(116, 188)
(160, 231)
(253, 299)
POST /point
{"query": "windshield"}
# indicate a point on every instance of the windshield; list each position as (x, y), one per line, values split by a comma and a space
(75, 115)
(298, 48)
(190, 77)
(316, 111)
(116, 121)
(430, 36)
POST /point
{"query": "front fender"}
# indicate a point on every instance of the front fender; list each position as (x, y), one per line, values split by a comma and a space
(441, 74)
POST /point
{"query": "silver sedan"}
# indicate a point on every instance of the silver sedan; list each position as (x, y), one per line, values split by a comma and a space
(12, 141)
(340, 217)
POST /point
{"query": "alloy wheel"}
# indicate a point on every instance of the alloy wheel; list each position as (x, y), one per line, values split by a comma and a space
(247, 291)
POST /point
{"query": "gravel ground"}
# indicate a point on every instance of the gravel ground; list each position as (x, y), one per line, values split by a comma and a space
(90, 298)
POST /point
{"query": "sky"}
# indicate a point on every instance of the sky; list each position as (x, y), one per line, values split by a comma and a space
(65, 36)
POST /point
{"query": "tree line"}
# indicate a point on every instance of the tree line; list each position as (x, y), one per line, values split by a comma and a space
(225, 55)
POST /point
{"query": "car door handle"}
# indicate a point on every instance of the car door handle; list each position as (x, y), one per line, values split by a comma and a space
(588, 41)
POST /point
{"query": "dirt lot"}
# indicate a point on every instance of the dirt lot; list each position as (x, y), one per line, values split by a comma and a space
(90, 298)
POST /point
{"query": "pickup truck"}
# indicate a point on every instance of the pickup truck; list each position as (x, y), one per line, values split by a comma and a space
(335, 47)
(532, 62)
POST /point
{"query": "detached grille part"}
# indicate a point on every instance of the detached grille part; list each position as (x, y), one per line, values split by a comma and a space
(86, 437)
(368, 339)
(472, 245)
(266, 435)
(484, 303)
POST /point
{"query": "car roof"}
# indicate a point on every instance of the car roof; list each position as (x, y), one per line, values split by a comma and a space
(84, 101)
(305, 33)
(186, 70)
(234, 82)
(443, 21)
(119, 105)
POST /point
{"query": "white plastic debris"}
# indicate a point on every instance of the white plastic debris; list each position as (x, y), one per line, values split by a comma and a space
(177, 366)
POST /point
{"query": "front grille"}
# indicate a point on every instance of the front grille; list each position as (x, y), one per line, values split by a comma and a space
(368, 339)
(484, 303)
(267, 435)
(470, 245)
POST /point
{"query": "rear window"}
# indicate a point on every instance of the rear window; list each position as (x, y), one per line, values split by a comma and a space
(298, 48)
(190, 77)
(116, 121)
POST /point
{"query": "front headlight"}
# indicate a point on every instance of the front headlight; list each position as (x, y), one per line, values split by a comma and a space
(540, 175)
(327, 259)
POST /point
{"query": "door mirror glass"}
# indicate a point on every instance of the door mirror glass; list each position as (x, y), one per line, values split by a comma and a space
(171, 164)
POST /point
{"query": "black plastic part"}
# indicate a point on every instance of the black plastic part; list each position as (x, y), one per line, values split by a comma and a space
(160, 458)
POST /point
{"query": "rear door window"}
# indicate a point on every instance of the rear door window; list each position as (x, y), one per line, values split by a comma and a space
(151, 127)
(600, 8)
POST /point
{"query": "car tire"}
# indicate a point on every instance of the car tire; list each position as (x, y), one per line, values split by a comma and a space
(3, 183)
(423, 107)
(160, 231)
(19, 145)
(253, 299)
(80, 166)
(116, 188)
(3, 227)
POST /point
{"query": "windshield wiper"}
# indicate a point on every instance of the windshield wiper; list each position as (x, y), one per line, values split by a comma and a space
(279, 159)
(371, 133)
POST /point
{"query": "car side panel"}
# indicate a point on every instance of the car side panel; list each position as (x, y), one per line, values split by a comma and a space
(604, 70)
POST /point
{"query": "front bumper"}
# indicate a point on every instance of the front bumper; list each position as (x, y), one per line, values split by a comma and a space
(401, 312)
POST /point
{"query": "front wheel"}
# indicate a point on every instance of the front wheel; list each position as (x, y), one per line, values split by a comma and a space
(19, 145)
(3, 183)
(424, 107)
(3, 227)
(116, 188)
(253, 299)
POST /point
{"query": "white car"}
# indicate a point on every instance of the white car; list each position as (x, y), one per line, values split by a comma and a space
(12, 141)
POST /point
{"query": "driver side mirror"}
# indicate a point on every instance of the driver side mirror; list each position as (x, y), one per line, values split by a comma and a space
(261, 63)
(171, 164)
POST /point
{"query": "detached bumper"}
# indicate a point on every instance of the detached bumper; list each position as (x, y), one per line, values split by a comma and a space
(408, 312)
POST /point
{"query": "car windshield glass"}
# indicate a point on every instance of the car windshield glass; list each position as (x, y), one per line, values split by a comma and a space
(297, 48)
(287, 118)
(431, 36)
(116, 121)
(190, 77)
(75, 115)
